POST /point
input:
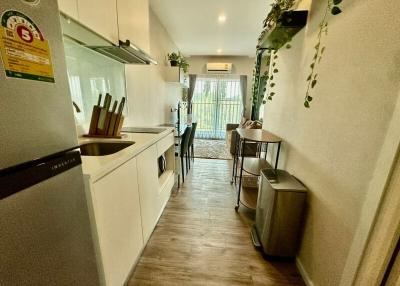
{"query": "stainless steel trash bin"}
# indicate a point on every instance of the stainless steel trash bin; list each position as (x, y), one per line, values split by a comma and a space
(279, 213)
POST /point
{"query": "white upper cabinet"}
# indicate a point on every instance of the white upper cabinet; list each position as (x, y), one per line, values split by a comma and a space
(113, 19)
(133, 22)
(100, 16)
(69, 7)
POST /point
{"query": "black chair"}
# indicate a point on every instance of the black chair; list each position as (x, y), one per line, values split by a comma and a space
(191, 140)
(184, 147)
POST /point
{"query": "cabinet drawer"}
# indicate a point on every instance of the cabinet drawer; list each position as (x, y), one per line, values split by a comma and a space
(165, 143)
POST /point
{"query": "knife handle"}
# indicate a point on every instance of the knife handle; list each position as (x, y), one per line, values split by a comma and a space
(121, 106)
(94, 120)
(99, 101)
(114, 106)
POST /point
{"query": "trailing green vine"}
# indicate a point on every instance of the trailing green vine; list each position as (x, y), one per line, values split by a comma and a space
(264, 82)
(278, 7)
(312, 79)
(256, 78)
(271, 78)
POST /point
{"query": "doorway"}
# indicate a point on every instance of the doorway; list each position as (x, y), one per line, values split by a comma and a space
(216, 101)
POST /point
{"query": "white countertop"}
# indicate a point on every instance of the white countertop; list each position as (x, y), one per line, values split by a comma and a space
(96, 167)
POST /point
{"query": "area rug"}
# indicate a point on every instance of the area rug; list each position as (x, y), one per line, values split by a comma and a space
(211, 149)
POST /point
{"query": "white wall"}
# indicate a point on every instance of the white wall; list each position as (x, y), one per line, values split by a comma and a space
(149, 96)
(241, 66)
(333, 147)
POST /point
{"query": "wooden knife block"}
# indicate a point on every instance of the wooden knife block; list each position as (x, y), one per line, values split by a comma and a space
(94, 120)
(112, 124)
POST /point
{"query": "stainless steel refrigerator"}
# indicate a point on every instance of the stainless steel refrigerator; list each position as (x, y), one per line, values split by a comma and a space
(45, 231)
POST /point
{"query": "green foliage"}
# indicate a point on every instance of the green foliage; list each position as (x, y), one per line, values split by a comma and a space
(274, 71)
(182, 63)
(177, 57)
(336, 10)
(278, 7)
(332, 6)
(174, 56)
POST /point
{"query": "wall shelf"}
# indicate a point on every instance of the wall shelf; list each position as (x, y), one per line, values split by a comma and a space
(288, 25)
(177, 76)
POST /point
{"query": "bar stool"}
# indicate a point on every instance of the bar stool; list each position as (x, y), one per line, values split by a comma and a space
(191, 140)
(183, 150)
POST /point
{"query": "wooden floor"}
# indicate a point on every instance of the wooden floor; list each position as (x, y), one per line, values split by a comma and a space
(201, 240)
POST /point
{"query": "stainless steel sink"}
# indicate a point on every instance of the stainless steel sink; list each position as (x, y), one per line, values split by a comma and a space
(153, 130)
(103, 148)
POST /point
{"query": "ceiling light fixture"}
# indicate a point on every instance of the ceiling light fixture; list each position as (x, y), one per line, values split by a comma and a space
(219, 51)
(222, 18)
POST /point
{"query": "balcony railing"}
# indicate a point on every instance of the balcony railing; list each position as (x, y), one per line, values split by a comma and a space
(212, 118)
(216, 102)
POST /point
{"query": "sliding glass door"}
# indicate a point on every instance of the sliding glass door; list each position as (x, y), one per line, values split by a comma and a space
(216, 102)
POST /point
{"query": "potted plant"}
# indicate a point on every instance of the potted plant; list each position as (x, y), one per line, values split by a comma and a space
(174, 59)
(183, 64)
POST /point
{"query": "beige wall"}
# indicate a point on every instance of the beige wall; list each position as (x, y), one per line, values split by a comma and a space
(334, 146)
(241, 66)
(149, 96)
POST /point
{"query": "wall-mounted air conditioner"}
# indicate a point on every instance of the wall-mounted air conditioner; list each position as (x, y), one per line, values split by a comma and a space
(218, 68)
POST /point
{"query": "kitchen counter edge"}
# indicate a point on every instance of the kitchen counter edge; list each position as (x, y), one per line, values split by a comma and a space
(96, 167)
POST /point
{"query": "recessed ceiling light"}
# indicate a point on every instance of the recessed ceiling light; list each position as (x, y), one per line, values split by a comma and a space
(219, 51)
(222, 18)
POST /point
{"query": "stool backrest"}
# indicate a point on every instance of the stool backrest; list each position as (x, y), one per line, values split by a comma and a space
(185, 140)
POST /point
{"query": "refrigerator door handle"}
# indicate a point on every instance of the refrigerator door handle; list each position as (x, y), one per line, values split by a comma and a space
(20, 177)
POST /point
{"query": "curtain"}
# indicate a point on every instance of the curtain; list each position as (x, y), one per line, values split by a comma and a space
(243, 89)
(192, 84)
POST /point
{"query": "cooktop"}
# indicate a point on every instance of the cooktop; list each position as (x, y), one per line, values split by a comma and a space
(154, 130)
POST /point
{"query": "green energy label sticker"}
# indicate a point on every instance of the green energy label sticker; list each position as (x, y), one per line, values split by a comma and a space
(24, 51)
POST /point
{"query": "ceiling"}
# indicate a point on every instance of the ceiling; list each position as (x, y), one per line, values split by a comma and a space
(194, 27)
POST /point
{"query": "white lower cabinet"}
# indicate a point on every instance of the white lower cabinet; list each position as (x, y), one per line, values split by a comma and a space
(125, 206)
(148, 189)
(116, 207)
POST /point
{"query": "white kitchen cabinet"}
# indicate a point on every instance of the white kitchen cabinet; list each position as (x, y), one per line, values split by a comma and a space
(69, 7)
(116, 206)
(148, 189)
(133, 22)
(165, 143)
(176, 75)
(100, 16)
(166, 181)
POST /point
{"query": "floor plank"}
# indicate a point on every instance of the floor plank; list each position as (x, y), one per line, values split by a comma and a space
(201, 240)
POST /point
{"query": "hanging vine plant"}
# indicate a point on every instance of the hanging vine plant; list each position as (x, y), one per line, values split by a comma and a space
(263, 84)
(278, 7)
(332, 7)
(256, 78)
(271, 78)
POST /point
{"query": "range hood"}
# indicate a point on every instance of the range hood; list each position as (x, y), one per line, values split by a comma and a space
(124, 52)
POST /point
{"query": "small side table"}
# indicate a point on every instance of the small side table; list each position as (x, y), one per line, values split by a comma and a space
(247, 195)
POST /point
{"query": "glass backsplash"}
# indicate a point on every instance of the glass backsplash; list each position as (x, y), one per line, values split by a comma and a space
(89, 74)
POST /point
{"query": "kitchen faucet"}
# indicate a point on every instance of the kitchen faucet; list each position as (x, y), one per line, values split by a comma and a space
(77, 109)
